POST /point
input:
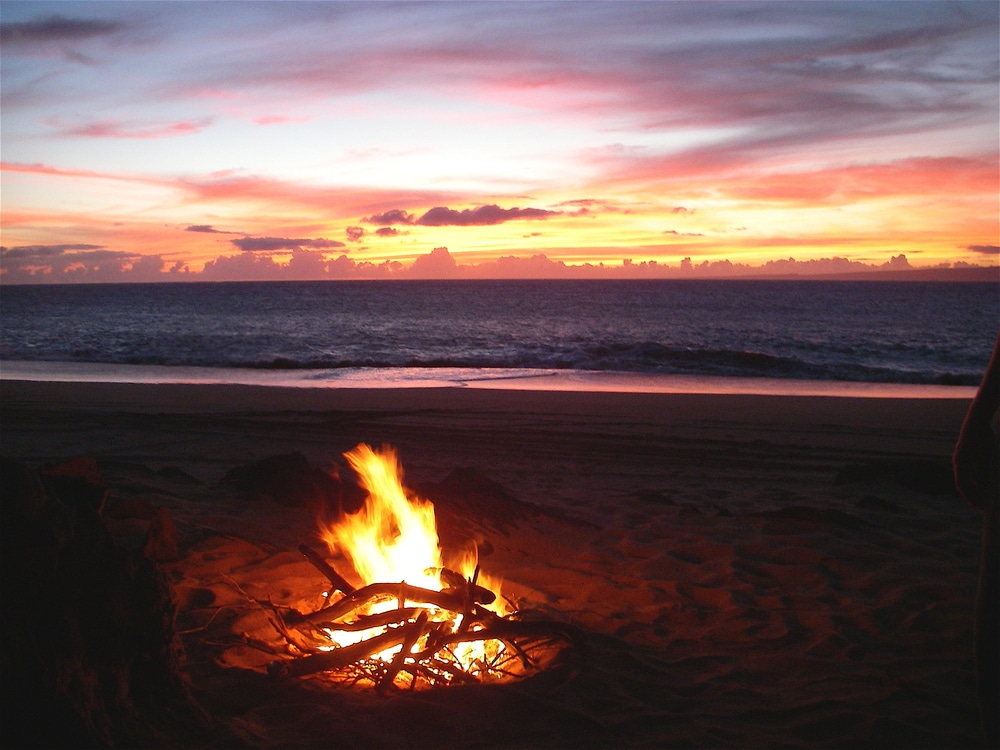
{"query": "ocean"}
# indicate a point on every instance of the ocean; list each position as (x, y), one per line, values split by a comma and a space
(465, 332)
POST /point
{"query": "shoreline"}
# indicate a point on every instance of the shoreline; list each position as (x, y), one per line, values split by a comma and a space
(778, 408)
(471, 378)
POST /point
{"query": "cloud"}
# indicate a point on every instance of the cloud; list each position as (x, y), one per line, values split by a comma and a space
(24, 252)
(482, 216)
(984, 249)
(266, 120)
(340, 201)
(55, 29)
(90, 263)
(437, 264)
(386, 232)
(206, 228)
(111, 129)
(395, 216)
(274, 244)
(86, 174)
(354, 234)
(82, 263)
(245, 266)
(441, 216)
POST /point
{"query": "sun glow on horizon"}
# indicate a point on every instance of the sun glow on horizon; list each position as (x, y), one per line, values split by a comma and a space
(145, 143)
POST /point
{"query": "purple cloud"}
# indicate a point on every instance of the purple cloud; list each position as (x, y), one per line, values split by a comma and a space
(394, 216)
(984, 249)
(273, 244)
(386, 232)
(52, 251)
(206, 228)
(481, 216)
(55, 29)
(354, 234)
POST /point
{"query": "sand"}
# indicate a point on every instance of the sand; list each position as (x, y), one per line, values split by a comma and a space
(748, 571)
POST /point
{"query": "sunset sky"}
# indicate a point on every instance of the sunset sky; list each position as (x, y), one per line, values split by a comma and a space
(230, 140)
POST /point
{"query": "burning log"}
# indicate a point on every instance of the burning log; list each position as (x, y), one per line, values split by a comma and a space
(338, 658)
(416, 631)
(384, 619)
(358, 599)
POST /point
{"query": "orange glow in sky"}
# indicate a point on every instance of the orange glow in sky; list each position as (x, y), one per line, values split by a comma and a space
(170, 141)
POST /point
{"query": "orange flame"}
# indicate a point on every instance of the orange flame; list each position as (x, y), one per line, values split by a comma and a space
(393, 538)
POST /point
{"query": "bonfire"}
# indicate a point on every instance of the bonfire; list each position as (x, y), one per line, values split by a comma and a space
(416, 620)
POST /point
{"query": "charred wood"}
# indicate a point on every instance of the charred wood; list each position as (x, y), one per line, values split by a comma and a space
(416, 631)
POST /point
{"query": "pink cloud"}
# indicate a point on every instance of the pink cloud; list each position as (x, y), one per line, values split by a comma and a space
(277, 119)
(112, 129)
(918, 176)
(341, 201)
(741, 174)
(47, 169)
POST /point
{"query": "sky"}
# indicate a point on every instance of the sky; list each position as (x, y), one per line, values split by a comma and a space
(254, 140)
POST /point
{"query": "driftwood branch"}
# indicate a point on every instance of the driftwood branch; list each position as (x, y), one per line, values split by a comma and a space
(402, 591)
(381, 620)
(339, 658)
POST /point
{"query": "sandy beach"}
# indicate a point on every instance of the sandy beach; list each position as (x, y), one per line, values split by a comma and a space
(746, 570)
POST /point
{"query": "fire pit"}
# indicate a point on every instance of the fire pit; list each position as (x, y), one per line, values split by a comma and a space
(416, 620)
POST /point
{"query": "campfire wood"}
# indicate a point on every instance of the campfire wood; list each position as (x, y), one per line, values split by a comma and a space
(436, 662)
(416, 631)
(326, 661)
(404, 592)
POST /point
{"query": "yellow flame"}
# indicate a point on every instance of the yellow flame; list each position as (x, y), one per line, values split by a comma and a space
(392, 538)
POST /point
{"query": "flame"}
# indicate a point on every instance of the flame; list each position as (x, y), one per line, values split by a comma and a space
(393, 538)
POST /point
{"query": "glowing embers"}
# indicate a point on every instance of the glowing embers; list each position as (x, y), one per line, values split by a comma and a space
(415, 621)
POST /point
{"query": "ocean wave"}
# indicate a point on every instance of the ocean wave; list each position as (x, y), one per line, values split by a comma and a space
(642, 357)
